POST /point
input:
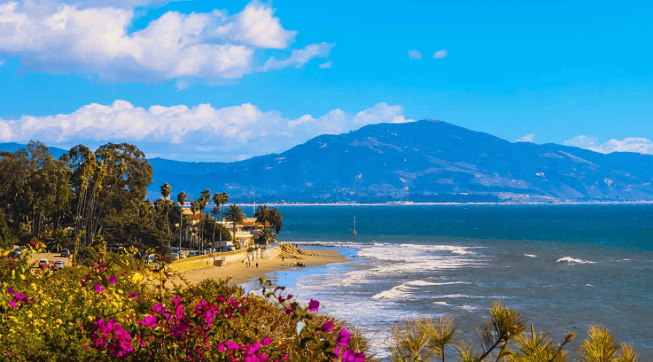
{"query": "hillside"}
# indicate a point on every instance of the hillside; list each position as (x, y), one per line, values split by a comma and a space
(419, 161)
(423, 161)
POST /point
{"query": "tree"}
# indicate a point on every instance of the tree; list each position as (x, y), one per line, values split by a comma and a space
(165, 194)
(234, 214)
(219, 199)
(181, 198)
(276, 220)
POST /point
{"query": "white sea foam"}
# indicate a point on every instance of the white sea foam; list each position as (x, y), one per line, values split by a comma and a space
(531, 255)
(473, 296)
(588, 285)
(469, 308)
(405, 290)
(570, 260)
(441, 303)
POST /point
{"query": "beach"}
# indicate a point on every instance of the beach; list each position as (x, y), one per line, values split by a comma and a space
(240, 273)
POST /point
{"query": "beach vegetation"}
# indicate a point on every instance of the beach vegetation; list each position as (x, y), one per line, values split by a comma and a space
(502, 337)
(117, 309)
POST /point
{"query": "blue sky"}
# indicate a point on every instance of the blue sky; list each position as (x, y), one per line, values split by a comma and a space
(223, 81)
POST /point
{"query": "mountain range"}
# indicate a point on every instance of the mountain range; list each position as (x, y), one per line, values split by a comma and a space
(423, 161)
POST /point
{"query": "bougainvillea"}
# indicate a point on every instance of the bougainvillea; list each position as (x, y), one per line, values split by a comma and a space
(118, 309)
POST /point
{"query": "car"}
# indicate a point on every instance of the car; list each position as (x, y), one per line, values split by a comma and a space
(175, 256)
(194, 253)
(42, 263)
(182, 256)
(59, 264)
(65, 252)
(207, 251)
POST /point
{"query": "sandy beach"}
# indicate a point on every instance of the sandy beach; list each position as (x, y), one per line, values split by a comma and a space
(240, 273)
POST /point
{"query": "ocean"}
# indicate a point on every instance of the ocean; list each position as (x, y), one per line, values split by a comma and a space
(565, 267)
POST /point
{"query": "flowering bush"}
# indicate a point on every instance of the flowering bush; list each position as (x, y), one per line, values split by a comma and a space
(118, 309)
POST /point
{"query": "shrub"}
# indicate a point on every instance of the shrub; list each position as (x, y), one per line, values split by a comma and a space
(119, 309)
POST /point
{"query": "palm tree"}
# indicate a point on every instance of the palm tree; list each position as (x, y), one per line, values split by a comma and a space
(234, 214)
(220, 199)
(194, 207)
(181, 198)
(263, 215)
(203, 201)
(165, 193)
(276, 220)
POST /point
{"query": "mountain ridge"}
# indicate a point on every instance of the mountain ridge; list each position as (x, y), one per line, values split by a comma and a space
(422, 161)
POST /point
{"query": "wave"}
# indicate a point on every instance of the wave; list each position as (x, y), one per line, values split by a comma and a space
(474, 296)
(570, 260)
(405, 290)
(531, 255)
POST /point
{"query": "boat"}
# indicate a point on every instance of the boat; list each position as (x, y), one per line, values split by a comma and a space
(353, 232)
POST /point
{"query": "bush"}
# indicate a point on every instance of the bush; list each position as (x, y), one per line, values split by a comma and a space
(119, 309)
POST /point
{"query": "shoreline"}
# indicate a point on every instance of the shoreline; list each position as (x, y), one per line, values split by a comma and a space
(240, 273)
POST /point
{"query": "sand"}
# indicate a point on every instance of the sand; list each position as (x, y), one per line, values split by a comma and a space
(240, 273)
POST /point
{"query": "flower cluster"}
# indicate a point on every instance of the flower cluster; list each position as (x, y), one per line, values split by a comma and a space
(121, 310)
(111, 336)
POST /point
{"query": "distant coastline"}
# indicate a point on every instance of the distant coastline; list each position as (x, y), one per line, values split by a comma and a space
(409, 203)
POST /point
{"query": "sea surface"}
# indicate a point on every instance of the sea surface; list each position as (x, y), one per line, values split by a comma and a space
(565, 267)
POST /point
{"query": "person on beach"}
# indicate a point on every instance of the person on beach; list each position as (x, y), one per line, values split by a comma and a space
(257, 265)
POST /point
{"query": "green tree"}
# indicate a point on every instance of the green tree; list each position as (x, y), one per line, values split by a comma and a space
(276, 220)
(181, 198)
(234, 215)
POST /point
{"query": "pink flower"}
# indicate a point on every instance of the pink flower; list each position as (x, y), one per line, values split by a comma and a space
(313, 305)
(149, 321)
(289, 296)
(13, 304)
(98, 288)
(344, 338)
(328, 326)
(288, 309)
(112, 279)
(266, 341)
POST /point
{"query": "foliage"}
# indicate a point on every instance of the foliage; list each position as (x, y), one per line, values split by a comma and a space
(502, 338)
(234, 215)
(118, 309)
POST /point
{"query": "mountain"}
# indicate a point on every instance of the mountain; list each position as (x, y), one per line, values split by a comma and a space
(423, 161)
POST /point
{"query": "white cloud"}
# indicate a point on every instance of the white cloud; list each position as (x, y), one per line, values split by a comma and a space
(199, 133)
(299, 57)
(414, 54)
(631, 144)
(328, 64)
(440, 54)
(527, 138)
(79, 38)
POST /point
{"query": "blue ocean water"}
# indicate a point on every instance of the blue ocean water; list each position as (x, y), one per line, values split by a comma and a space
(564, 267)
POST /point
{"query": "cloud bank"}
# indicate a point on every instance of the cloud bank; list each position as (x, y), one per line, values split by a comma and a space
(631, 144)
(194, 133)
(93, 38)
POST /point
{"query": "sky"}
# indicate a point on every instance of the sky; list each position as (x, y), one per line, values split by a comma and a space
(229, 80)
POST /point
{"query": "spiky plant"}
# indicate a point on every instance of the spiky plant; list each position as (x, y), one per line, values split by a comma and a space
(441, 332)
(410, 340)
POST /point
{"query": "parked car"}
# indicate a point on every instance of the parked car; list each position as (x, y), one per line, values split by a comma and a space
(182, 256)
(59, 264)
(149, 259)
(175, 256)
(207, 251)
(194, 253)
(65, 252)
(42, 263)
